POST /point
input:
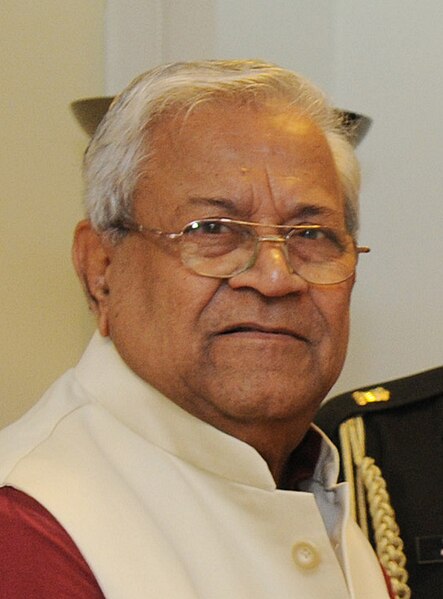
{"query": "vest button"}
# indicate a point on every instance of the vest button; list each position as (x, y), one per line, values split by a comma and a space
(305, 555)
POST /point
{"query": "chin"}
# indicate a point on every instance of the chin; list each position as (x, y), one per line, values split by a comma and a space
(263, 404)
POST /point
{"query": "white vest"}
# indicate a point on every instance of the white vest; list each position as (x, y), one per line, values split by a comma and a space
(164, 506)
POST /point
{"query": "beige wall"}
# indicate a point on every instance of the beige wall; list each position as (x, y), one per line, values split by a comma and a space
(52, 53)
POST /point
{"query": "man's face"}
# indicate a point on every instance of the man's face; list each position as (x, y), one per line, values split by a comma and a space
(263, 345)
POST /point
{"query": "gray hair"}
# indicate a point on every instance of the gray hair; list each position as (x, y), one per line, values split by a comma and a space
(122, 141)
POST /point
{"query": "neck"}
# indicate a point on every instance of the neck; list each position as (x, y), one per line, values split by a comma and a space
(275, 442)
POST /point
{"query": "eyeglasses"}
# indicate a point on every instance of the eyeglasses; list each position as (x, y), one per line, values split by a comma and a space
(223, 248)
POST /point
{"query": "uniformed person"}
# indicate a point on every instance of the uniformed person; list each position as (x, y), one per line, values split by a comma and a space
(390, 438)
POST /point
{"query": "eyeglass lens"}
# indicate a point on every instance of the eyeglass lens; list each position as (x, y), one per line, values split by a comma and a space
(223, 249)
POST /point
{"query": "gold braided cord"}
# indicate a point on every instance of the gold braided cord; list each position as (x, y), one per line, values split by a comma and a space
(351, 432)
(358, 445)
(348, 466)
(369, 487)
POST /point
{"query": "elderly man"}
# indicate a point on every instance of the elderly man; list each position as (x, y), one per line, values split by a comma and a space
(178, 458)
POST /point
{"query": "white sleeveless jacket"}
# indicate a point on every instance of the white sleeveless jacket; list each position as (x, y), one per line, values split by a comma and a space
(164, 506)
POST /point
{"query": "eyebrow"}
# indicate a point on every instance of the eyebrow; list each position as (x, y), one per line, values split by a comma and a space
(310, 210)
(216, 202)
(231, 208)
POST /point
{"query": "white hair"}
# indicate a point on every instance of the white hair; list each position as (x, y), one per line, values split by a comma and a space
(122, 140)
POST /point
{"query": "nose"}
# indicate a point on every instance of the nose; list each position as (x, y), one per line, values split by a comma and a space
(271, 274)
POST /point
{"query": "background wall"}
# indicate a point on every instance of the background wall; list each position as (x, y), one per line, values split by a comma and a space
(52, 53)
(389, 64)
(382, 59)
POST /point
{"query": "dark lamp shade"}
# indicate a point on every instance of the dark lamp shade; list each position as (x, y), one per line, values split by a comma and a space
(90, 111)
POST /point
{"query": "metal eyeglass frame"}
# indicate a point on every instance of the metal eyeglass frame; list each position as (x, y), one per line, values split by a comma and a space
(175, 236)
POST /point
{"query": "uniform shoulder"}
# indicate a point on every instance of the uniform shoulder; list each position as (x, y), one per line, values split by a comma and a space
(388, 395)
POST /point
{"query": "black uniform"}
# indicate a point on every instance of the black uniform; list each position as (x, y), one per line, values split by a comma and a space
(405, 437)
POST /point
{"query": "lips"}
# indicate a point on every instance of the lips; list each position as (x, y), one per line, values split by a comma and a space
(259, 329)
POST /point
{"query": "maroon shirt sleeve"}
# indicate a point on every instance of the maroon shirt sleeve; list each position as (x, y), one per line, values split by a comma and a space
(38, 559)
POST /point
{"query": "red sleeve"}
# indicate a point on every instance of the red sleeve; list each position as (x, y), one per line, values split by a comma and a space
(38, 559)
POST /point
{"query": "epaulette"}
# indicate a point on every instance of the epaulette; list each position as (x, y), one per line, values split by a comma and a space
(389, 395)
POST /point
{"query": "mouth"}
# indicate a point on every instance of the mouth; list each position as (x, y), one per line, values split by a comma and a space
(262, 332)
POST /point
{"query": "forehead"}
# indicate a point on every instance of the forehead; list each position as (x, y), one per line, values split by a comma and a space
(242, 153)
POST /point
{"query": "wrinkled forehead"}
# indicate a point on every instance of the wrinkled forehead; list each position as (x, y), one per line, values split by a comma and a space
(240, 152)
(235, 129)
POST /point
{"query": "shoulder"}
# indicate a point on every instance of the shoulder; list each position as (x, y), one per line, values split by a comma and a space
(38, 559)
(406, 393)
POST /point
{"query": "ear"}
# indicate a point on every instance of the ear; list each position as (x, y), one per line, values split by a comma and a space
(92, 256)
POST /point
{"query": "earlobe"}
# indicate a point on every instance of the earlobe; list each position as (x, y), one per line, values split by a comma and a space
(91, 257)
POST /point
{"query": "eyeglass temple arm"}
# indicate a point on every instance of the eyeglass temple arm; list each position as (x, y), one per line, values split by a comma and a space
(137, 228)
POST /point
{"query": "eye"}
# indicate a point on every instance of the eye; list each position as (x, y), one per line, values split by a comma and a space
(318, 234)
(320, 239)
(314, 234)
(207, 227)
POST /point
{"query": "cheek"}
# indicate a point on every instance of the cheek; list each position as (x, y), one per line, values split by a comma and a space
(160, 303)
(333, 305)
(129, 291)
